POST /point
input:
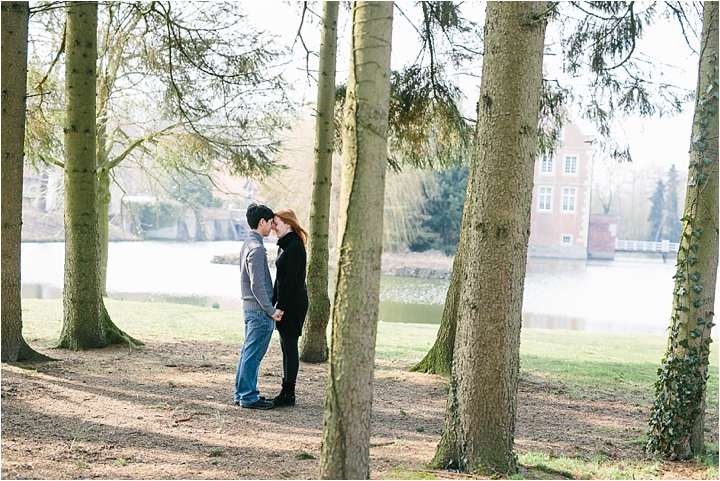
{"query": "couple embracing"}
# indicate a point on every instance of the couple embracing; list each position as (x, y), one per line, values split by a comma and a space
(267, 306)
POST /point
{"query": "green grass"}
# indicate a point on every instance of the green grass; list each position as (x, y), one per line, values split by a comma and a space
(578, 359)
(580, 362)
(596, 466)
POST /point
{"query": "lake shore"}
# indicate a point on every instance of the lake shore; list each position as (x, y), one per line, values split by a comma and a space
(426, 265)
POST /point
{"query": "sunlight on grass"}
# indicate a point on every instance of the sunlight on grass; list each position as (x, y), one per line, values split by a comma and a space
(579, 359)
(402, 472)
(580, 362)
(543, 466)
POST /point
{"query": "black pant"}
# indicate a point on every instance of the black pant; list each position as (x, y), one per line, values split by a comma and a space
(291, 357)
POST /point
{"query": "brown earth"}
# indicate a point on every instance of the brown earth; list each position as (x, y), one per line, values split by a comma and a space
(166, 411)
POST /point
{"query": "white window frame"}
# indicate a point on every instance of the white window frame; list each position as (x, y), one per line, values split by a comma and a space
(571, 164)
(546, 165)
(568, 237)
(569, 197)
(545, 199)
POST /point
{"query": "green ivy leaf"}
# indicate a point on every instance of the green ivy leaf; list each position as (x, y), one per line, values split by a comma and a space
(698, 287)
(697, 233)
(695, 333)
(697, 303)
(695, 276)
(692, 261)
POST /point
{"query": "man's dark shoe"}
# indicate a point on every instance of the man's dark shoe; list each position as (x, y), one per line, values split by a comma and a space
(237, 403)
(259, 404)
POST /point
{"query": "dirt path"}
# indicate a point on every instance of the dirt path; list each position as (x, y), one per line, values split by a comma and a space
(165, 411)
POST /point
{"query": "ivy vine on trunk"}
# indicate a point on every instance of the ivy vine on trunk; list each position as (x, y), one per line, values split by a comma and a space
(676, 422)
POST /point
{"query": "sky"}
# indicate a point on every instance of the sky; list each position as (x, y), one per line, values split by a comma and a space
(662, 141)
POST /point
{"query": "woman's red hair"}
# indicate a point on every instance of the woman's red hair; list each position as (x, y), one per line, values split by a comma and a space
(288, 216)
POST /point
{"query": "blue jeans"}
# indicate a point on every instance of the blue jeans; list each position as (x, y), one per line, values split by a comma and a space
(258, 331)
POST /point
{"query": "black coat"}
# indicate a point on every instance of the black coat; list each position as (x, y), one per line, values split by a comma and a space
(290, 291)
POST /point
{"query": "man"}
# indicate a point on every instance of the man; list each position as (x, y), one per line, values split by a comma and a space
(256, 290)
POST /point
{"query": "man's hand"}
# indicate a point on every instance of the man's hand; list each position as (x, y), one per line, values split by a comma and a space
(278, 315)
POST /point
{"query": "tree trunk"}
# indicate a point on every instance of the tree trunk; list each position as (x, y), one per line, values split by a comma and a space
(345, 449)
(677, 420)
(439, 358)
(314, 339)
(81, 293)
(103, 224)
(86, 323)
(478, 434)
(14, 81)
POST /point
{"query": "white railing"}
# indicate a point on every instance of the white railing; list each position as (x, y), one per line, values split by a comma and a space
(646, 246)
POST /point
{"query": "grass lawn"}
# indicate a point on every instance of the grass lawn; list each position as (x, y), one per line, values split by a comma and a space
(581, 361)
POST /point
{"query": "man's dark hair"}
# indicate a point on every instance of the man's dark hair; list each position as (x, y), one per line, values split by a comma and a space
(256, 212)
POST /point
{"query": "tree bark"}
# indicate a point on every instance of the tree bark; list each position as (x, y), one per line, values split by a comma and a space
(86, 323)
(479, 429)
(313, 347)
(439, 358)
(345, 449)
(81, 293)
(14, 87)
(677, 421)
(103, 224)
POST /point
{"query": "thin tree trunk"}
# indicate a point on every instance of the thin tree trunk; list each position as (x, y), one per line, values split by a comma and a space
(14, 81)
(345, 449)
(479, 429)
(314, 339)
(439, 358)
(677, 420)
(103, 224)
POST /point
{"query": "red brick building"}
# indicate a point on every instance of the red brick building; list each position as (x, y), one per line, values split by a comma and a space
(560, 218)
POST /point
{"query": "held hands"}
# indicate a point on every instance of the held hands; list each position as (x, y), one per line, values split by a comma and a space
(278, 315)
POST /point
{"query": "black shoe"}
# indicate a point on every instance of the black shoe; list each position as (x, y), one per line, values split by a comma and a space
(259, 404)
(284, 399)
(237, 403)
(286, 396)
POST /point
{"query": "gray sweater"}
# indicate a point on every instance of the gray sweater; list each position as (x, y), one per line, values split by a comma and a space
(256, 287)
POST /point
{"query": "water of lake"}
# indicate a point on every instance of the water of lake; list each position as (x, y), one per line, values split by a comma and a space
(627, 295)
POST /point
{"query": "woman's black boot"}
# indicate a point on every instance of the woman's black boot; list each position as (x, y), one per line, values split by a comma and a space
(286, 396)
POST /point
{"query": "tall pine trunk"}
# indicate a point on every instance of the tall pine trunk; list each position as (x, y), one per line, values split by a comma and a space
(345, 449)
(14, 87)
(86, 323)
(82, 313)
(677, 420)
(479, 429)
(314, 339)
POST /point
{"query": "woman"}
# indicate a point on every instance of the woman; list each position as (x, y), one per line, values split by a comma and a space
(290, 296)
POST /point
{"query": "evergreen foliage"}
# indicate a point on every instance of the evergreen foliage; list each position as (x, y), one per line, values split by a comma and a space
(657, 212)
(440, 228)
(673, 226)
